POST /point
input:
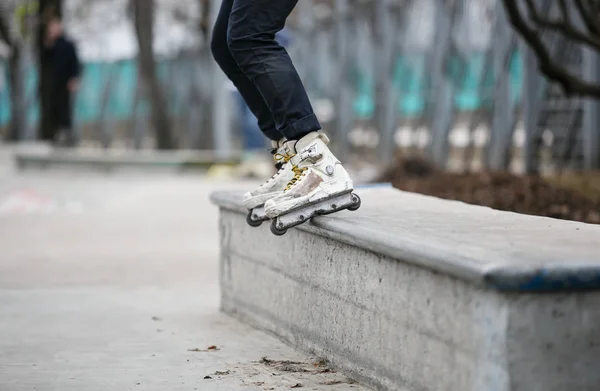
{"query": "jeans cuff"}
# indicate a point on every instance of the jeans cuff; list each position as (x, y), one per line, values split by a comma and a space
(273, 134)
(302, 127)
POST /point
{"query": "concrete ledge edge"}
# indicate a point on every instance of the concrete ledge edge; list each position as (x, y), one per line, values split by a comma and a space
(498, 276)
(175, 159)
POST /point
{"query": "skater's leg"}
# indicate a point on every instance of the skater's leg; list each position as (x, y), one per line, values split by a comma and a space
(251, 38)
(255, 199)
(246, 88)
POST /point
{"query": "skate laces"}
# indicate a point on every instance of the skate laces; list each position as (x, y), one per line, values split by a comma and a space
(298, 173)
(311, 154)
(282, 159)
(282, 156)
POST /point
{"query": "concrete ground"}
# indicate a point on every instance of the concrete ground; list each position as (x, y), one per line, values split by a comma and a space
(111, 283)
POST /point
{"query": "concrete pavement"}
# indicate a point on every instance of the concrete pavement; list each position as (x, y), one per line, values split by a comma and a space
(111, 283)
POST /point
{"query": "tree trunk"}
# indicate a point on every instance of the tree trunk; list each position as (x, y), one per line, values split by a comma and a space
(143, 11)
(205, 22)
(47, 129)
(17, 113)
(16, 78)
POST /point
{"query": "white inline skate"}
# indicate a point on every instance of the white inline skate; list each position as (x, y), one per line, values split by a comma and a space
(319, 186)
(255, 200)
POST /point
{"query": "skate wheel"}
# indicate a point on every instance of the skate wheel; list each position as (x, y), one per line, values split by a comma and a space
(252, 223)
(356, 202)
(276, 231)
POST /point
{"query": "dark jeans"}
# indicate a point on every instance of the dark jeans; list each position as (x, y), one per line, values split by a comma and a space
(244, 46)
(61, 108)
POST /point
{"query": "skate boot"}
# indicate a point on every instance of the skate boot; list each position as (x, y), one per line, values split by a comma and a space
(255, 200)
(320, 185)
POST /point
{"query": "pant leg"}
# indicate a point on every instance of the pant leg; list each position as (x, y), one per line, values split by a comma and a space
(64, 101)
(251, 39)
(246, 88)
(59, 115)
(65, 115)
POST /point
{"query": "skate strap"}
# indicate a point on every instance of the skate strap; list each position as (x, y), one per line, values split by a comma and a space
(312, 154)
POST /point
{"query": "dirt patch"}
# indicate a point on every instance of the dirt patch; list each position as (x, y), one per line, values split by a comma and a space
(563, 198)
(278, 375)
(320, 366)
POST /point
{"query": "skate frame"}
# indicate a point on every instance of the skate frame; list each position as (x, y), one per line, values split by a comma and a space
(257, 216)
(281, 224)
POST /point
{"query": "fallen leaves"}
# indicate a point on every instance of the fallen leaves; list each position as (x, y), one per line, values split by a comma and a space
(285, 365)
(217, 373)
(270, 374)
(558, 197)
(336, 382)
(212, 348)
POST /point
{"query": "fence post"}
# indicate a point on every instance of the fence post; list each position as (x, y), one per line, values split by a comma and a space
(221, 124)
(305, 59)
(139, 120)
(591, 115)
(18, 111)
(106, 132)
(502, 117)
(344, 94)
(531, 96)
(385, 94)
(194, 108)
(443, 104)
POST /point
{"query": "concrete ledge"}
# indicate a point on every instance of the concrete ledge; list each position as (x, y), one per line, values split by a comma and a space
(417, 293)
(115, 160)
(500, 250)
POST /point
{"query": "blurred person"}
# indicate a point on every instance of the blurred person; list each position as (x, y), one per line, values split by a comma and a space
(310, 177)
(66, 69)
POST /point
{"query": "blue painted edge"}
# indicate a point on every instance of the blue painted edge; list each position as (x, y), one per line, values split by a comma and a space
(373, 185)
(576, 278)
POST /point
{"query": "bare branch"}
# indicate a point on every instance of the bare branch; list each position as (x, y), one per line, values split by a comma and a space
(143, 19)
(590, 22)
(593, 7)
(563, 26)
(4, 30)
(565, 11)
(205, 10)
(569, 83)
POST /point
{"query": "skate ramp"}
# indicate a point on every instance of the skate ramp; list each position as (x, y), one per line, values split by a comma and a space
(417, 293)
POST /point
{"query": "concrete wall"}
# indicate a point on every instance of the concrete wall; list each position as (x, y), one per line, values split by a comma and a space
(398, 325)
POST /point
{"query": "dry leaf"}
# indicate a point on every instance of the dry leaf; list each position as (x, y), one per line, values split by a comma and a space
(209, 349)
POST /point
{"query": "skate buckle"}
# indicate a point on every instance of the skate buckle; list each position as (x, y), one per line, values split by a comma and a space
(311, 153)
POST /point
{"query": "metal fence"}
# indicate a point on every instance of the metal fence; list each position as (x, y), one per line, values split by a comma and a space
(446, 79)
(431, 80)
(111, 108)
